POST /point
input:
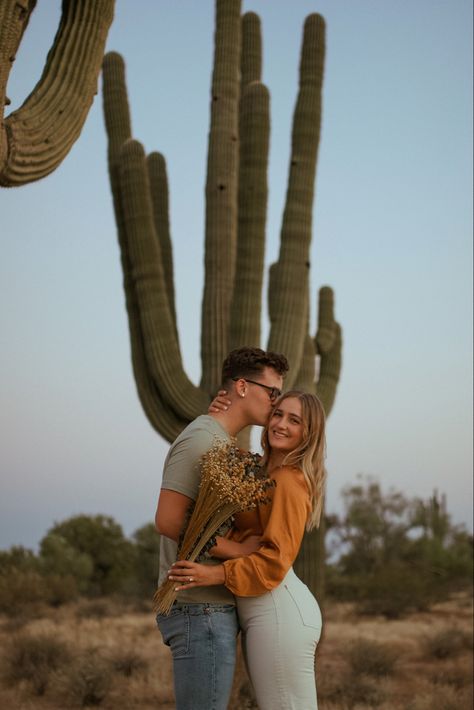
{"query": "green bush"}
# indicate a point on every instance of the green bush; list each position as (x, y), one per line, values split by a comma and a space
(395, 555)
(100, 540)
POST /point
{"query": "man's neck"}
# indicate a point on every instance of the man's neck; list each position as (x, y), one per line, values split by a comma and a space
(232, 421)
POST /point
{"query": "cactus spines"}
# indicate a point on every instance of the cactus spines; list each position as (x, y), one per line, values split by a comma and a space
(36, 138)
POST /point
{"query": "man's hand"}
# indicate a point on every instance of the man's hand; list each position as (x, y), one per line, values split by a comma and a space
(226, 549)
(191, 574)
(251, 544)
(220, 403)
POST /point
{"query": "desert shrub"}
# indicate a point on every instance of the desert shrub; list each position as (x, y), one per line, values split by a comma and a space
(94, 609)
(395, 590)
(371, 658)
(21, 592)
(246, 697)
(349, 690)
(86, 681)
(446, 643)
(60, 590)
(34, 658)
(458, 675)
(128, 662)
(18, 558)
(442, 698)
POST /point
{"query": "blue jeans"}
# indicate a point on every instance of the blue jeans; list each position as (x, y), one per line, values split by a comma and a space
(202, 639)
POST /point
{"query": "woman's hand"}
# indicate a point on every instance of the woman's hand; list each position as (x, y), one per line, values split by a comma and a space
(220, 403)
(191, 574)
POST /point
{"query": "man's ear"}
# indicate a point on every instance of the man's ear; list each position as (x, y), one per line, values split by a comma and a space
(241, 387)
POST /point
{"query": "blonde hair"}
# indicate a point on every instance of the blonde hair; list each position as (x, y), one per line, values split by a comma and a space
(310, 454)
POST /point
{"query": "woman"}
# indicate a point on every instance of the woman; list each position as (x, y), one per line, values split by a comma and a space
(279, 617)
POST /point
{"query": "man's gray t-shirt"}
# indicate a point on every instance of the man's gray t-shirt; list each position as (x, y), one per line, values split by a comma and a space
(181, 473)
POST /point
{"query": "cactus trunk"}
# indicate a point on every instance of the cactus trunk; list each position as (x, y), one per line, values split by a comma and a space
(236, 204)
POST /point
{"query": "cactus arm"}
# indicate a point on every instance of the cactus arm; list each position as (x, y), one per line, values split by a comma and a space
(330, 371)
(290, 275)
(326, 331)
(159, 194)
(221, 193)
(37, 137)
(251, 59)
(117, 119)
(254, 131)
(328, 345)
(161, 348)
(252, 202)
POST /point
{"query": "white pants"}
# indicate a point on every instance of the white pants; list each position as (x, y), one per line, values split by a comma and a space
(280, 631)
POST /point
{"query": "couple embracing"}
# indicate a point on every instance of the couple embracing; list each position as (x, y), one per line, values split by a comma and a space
(248, 583)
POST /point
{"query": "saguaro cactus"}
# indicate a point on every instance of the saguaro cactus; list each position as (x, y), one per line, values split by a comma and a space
(36, 138)
(236, 201)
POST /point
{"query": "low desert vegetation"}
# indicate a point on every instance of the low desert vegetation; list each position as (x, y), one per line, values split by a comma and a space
(77, 628)
(65, 659)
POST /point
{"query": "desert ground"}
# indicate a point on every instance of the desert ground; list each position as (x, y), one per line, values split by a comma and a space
(107, 653)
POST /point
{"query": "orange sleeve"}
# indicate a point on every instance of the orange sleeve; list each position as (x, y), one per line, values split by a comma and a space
(264, 570)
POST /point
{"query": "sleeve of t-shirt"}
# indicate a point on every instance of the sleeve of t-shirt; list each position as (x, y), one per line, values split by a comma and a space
(181, 471)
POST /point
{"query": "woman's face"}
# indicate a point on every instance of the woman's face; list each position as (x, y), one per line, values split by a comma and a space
(285, 429)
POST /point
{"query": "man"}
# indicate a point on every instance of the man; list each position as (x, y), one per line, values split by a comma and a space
(202, 627)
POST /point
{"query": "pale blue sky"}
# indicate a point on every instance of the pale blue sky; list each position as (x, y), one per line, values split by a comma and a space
(392, 235)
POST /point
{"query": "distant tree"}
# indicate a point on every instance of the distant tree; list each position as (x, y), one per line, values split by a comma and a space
(58, 557)
(102, 540)
(396, 554)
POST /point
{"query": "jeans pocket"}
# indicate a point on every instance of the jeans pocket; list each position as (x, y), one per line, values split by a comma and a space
(307, 607)
(175, 632)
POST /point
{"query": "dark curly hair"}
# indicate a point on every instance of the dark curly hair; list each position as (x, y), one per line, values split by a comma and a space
(250, 362)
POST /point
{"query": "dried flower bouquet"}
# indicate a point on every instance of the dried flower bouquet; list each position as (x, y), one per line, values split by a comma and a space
(232, 481)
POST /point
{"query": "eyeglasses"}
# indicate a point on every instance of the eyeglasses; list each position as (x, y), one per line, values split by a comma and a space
(273, 392)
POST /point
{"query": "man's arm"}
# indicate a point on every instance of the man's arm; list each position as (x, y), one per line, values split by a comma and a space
(171, 513)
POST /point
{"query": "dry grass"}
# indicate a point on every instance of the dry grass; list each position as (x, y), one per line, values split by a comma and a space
(115, 659)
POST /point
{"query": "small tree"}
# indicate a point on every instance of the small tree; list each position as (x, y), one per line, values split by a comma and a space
(102, 540)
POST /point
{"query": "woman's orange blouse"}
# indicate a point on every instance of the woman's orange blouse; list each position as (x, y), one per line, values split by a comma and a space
(283, 522)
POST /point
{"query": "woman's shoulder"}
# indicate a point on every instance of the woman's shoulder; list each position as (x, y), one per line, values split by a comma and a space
(288, 476)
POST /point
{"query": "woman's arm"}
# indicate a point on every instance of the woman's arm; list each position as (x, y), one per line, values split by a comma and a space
(226, 549)
(264, 569)
(208, 575)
